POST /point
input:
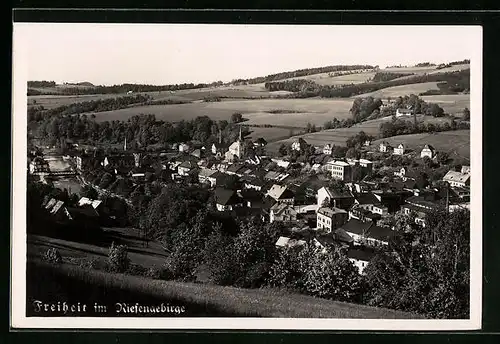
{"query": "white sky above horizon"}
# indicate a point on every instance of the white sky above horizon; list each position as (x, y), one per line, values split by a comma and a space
(160, 54)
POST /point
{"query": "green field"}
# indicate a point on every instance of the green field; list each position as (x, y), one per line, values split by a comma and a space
(456, 143)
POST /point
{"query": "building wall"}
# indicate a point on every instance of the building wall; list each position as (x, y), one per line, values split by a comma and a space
(426, 152)
(360, 264)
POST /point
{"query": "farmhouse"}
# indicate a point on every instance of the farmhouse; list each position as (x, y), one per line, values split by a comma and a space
(330, 218)
(282, 212)
(428, 151)
(399, 150)
(384, 147)
(457, 179)
(185, 168)
(420, 207)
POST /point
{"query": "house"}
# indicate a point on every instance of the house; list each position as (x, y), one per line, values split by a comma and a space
(384, 147)
(330, 218)
(39, 165)
(367, 233)
(281, 162)
(465, 169)
(299, 145)
(325, 242)
(281, 194)
(428, 151)
(219, 149)
(198, 153)
(457, 179)
(339, 169)
(252, 198)
(183, 148)
(328, 149)
(367, 143)
(289, 243)
(420, 206)
(338, 199)
(363, 214)
(403, 112)
(399, 150)
(235, 169)
(236, 150)
(253, 183)
(360, 257)
(260, 142)
(204, 175)
(185, 168)
(226, 199)
(282, 212)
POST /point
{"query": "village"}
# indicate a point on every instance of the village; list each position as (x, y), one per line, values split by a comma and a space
(320, 197)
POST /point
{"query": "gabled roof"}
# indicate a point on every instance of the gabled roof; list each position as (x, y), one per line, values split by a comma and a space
(206, 172)
(366, 198)
(187, 164)
(456, 177)
(357, 227)
(429, 147)
(234, 168)
(342, 236)
(226, 197)
(57, 207)
(333, 193)
(93, 203)
(280, 192)
(287, 242)
(278, 208)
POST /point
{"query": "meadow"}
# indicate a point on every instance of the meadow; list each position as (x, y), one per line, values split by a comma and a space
(74, 284)
(451, 103)
(339, 136)
(294, 112)
(456, 143)
(403, 90)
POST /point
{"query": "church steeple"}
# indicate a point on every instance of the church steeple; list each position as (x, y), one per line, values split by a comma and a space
(125, 145)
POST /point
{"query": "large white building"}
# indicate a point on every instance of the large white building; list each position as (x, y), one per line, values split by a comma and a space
(457, 179)
(331, 218)
(339, 169)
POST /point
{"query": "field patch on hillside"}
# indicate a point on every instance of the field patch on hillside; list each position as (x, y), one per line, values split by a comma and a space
(456, 143)
(339, 136)
(403, 90)
(453, 104)
(258, 111)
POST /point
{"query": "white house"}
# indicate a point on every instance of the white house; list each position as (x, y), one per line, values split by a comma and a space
(299, 145)
(360, 258)
(428, 151)
(399, 150)
(330, 218)
(327, 149)
(367, 233)
(204, 176)
(465, 169)
(183, 147)
(384, 147)
(282, 212)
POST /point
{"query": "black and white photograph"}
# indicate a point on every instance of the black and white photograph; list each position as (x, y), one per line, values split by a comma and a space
(224, 176)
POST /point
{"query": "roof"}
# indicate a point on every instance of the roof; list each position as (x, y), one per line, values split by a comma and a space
(325, 240)
(429, 147)
(277, 208)
(331, 211)
(338, 163)
(453, 176)
(51, 203)
(368, 230)
(280, 192)
(226, 197)
(254, 181)
(405, 110)
(366, 198)
(333, 193)
(287, 242)
(187, 164)
(341, 235)
(206, 172)
(57, 207)
(93, 203)
(360, 254)
(234, 167)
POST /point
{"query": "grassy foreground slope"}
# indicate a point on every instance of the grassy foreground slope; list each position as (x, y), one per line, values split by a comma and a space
(199, 299)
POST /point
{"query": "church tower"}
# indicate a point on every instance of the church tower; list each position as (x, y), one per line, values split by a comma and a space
(125, 145)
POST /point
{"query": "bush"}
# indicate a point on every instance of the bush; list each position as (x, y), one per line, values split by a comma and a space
(53, 256)
(153, 273)
(118, 260)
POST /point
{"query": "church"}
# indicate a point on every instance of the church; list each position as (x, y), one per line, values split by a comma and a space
(236, 150)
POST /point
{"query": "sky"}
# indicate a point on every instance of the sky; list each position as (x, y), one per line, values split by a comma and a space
(160, 54)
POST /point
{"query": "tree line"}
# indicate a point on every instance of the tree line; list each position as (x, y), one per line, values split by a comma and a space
(299, 73)
(460, 81)
(42, 83)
